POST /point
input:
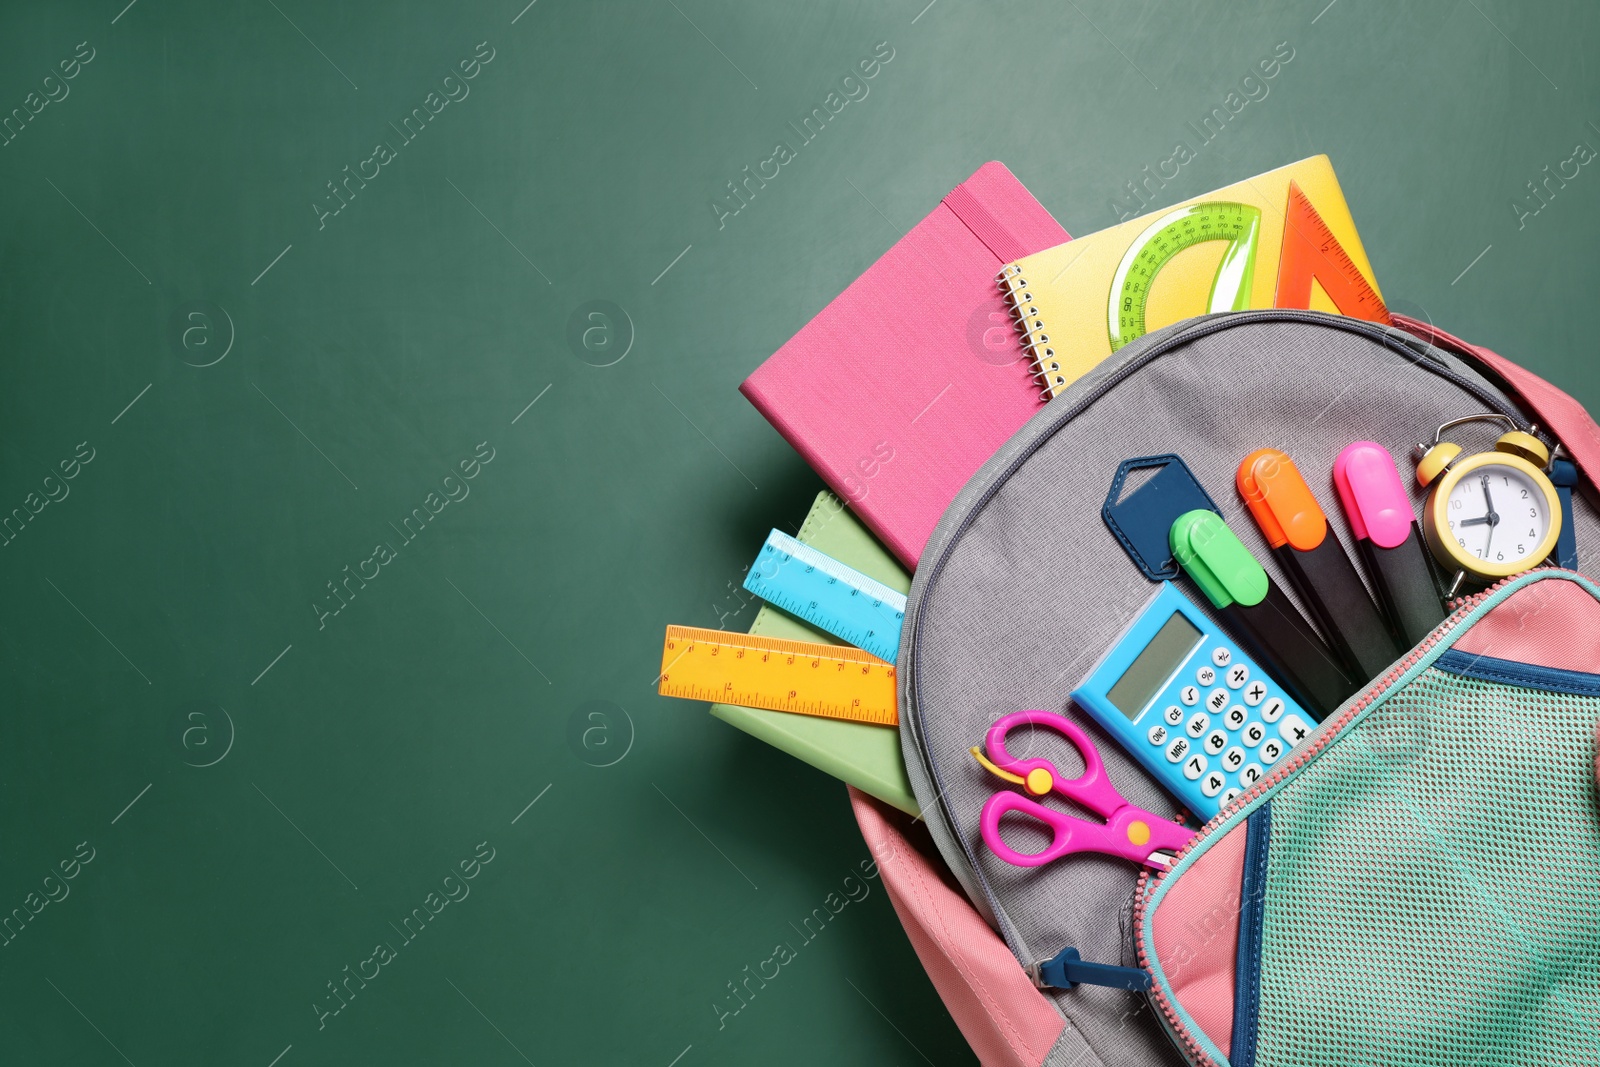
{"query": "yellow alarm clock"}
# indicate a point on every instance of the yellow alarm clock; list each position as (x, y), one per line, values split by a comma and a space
(1488, 515)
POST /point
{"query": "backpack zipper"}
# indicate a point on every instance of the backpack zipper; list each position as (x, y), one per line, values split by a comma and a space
(1147, 884)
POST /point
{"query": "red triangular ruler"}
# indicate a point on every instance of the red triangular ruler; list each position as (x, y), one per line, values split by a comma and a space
(1310, 250)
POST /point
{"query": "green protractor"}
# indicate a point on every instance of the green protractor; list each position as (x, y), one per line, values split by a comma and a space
(1238, 224)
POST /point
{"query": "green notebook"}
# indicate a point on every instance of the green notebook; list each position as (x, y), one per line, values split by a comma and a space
(866, 756)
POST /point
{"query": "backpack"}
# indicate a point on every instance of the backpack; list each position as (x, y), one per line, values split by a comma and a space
(1410, 886)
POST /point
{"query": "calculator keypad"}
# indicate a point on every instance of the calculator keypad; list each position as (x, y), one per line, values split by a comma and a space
(1223, 724)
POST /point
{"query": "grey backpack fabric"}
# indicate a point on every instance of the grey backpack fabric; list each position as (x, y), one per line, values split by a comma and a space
(1022, 587)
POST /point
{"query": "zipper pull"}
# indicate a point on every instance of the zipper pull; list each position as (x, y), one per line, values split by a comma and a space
(1067, 969)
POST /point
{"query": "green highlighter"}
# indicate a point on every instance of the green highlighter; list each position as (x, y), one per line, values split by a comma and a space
(1257, 613)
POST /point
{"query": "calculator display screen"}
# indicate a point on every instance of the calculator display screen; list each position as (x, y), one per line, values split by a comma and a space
(1144, 677)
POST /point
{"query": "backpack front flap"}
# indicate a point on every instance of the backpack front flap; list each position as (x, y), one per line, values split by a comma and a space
(1418, 886)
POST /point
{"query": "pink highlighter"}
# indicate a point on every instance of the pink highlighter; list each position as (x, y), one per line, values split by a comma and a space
(1379, 509)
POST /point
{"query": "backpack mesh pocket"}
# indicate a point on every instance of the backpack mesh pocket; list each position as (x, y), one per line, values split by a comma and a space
(1433, 885)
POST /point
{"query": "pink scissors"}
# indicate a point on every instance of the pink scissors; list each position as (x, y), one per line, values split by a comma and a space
(1129, 832)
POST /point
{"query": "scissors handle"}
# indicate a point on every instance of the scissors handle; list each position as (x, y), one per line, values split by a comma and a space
(1131, 833)
(1092, 789)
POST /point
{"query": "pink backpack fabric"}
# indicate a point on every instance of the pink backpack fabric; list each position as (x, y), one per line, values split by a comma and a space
(1003, 1017)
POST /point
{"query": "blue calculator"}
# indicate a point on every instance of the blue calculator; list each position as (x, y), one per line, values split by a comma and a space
(1188, 704)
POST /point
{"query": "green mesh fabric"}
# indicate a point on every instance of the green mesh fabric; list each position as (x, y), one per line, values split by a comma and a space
(1433, 887)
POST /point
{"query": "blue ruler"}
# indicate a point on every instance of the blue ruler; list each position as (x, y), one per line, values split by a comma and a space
(831, 596)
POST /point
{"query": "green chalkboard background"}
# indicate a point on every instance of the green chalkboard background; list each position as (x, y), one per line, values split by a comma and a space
(251, 390)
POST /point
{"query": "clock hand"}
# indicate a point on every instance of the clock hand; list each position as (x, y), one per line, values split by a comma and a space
(1481, 520)
(1493, 516)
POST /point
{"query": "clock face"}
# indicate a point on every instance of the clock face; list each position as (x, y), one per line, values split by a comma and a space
(1498, 515)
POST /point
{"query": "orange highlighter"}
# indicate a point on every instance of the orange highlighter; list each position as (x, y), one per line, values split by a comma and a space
(1298, 532)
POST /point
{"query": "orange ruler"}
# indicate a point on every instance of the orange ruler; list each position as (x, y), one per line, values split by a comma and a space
(832, 681)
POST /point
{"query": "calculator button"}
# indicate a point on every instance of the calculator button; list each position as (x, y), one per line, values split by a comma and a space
(1216, 741)
(1178, 749)
(1173, 715)
(1294, 729)
(1190, 695)
(1272, 709)
(1238, 674)
(1158, 734)
(1251, 775)
(1221, 657)
(1253, 734)
(1270, 751)
(1212, 784)
(1233, 759)
(1198, 724)
(1231, 795)
(1255, 693)
(1236, 717)
(1217, 699)
(1205, 675)
(1194, 768)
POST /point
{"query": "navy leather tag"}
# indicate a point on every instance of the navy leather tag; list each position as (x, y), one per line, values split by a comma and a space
(1142, 520)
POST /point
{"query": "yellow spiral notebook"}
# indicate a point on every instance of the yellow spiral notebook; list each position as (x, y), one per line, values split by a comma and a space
(1281, 239)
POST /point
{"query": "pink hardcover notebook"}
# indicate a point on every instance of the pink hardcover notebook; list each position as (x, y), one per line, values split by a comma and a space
(899, 390)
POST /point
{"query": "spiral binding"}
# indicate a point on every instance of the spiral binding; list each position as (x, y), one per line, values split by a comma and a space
(1035, 342)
